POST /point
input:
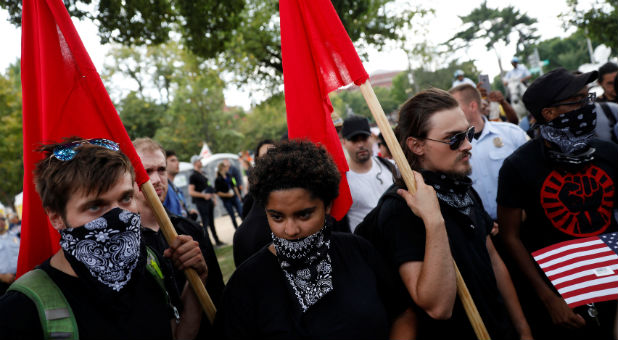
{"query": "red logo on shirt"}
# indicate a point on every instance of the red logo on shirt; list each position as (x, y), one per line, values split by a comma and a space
(579, 204)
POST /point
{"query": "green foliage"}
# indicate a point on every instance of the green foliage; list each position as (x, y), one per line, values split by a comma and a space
(205, 25)
(443, 78)
(601, 21)
(254, 51)
(495, 25)
(11, 151)
(141, 117)
(570, 52)
(266, 121)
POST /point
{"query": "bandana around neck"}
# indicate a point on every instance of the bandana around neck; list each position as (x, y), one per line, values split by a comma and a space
(455, 192)
(307, 266)
(106, 250)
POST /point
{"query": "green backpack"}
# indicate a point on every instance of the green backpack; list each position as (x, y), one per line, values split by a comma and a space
(55, 313)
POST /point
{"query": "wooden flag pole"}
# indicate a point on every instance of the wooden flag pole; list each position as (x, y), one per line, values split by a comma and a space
(408, 178)
(170, 235)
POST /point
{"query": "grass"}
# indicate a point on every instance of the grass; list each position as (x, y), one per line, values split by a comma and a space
(226, 261)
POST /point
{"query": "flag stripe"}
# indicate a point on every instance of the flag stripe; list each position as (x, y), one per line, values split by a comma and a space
(575, 255)
(588, 270)
(560, 249)
(577, 264)
(577, 268)
(586, 284)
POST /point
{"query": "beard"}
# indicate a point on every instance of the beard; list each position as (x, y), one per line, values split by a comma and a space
(461, 174)
(362, 155)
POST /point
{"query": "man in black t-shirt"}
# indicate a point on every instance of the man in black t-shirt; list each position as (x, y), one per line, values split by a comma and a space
(422, 242)
(202, 195)
(87, 190)
(564, 184)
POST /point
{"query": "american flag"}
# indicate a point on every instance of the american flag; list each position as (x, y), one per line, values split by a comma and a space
(583, 270)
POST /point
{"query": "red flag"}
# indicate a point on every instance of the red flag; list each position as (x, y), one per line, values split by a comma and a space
(583, 270)
(318, 57)
(63, 96)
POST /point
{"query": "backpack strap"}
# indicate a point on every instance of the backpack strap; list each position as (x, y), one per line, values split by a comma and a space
(153, 267)
(55, 313)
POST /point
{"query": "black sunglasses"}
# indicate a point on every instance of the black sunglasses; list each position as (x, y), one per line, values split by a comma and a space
(455, 141)
(590, 98)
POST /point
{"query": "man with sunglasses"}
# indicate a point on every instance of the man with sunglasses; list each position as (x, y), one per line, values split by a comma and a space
(558, 187)
(422, 235)
(492, 143)
(369, 176)
(103, 283)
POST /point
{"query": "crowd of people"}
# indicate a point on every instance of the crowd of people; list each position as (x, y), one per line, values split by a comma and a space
(491, 191)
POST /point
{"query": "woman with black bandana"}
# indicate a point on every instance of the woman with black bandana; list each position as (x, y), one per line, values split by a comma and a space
(310, 282)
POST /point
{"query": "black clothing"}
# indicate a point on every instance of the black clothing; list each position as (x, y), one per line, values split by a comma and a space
(201, 185)
(528, 181)
(402, 237)
(258, 302)
(205, 207)
(156, 241)
(225, 184)
(561, 203)
(141, 312)
(252, 234)
(214, 283)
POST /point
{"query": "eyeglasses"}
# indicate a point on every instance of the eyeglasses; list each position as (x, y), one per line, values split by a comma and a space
(455, 141)
(589, 99)
(67, 152)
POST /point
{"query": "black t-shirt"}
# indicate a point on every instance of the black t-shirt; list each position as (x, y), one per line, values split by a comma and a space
(224, 184)
(214, 282)
(201, 184)
(403, 237)
(560, 205)
(141, 312)
(258, 303)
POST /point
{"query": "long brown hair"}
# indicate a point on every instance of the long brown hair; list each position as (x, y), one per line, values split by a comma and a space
(414, 118)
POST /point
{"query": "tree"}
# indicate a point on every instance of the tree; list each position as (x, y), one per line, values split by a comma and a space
(493, 26)
(254, 51)
(205, 25)
(569, 52)
(11, 141)
(601, 21)
(141, 117)
(265, 121)
(443, 78)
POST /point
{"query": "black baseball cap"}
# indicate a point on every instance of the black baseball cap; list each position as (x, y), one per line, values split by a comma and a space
(552, 87)
(355, 125)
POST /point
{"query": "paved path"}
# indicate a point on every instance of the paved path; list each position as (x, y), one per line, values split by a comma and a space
(225, 228)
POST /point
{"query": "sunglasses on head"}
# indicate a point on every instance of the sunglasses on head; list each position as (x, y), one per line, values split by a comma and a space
(67, 152)
(458, 138)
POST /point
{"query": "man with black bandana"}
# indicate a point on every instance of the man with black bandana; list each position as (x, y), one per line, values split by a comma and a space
(422, 237)
(558, 187)
(103, 285)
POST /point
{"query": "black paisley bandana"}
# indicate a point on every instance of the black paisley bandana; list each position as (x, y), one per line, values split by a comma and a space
(571, 131)
(452, 190)
(307, 266)
(106, 249)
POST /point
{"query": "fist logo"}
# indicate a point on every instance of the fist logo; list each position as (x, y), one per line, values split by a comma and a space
(579, 204)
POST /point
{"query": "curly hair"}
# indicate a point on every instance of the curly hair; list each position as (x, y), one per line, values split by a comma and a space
(295, 164)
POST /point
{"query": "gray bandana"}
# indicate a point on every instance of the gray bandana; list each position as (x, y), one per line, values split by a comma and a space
(307, 266)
